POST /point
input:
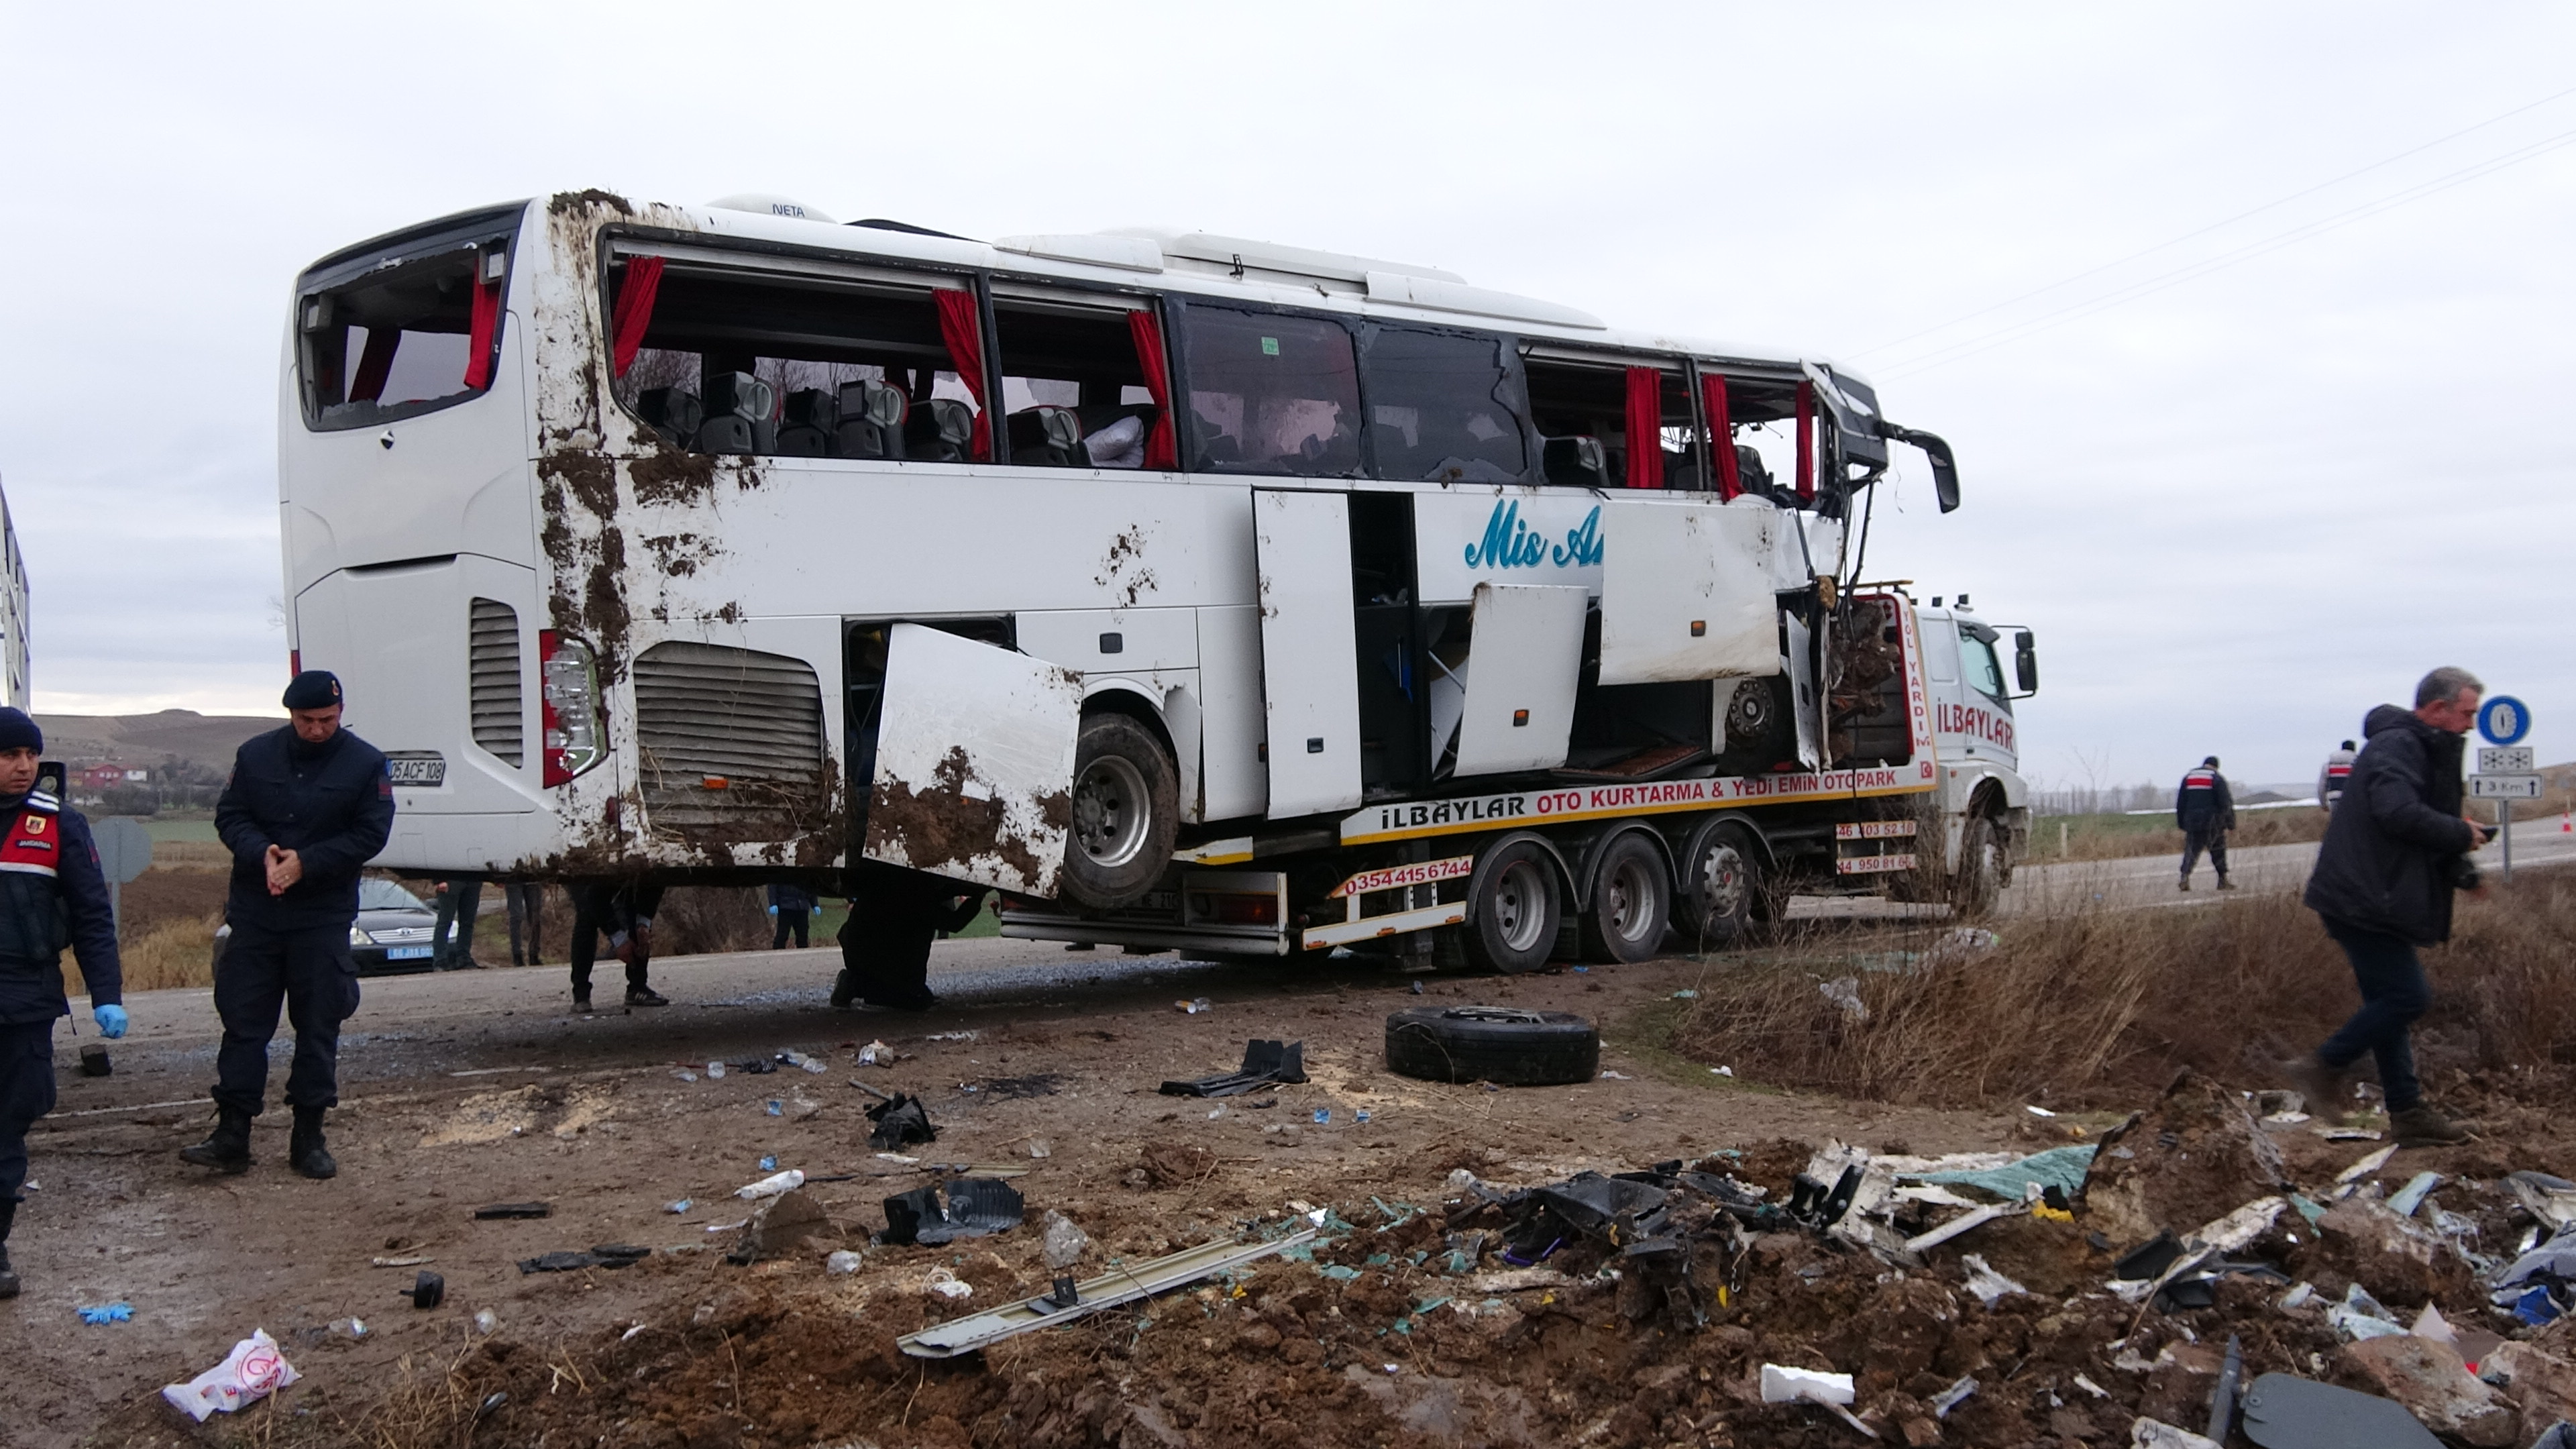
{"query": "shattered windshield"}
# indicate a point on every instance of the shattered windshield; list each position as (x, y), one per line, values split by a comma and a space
(404, 330)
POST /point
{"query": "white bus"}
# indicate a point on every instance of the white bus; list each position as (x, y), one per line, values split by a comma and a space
(1169, 584)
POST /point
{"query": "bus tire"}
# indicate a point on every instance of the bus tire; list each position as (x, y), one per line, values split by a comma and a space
(1492, 1044)
(1722, 900)
(1632, 902)
(1513, 909)
(1979, 879)
(1126, 813)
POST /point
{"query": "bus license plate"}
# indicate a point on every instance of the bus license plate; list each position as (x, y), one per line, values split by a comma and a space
(427, 769)
(408, 953)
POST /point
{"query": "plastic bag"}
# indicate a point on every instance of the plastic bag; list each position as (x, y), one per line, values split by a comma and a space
(249, 1373)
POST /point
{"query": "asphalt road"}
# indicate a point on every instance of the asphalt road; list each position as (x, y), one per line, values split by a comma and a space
(2148, 880)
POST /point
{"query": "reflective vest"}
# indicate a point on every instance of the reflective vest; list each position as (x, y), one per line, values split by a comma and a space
(35, 921)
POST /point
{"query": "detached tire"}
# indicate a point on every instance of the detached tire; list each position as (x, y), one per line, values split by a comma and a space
(1492, 1044)
(1126, 813)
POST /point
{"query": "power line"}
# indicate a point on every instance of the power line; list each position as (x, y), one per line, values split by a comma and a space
(2216, 225)
(1969, 347)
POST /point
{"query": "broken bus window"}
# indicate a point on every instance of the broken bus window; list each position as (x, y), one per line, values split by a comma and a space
(1271, 393)
(404, 330)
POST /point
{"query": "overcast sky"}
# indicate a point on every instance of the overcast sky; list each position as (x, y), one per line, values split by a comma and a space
(2239, 507)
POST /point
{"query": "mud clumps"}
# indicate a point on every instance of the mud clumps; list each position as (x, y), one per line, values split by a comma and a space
(2191, 1156)
(944, 826)
(587, 475)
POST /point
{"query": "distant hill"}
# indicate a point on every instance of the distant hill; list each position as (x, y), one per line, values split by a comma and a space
(147, 739)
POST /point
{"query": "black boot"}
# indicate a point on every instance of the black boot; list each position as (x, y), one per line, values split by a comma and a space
(227, 1148)
(8, 1275)
(310, 1155)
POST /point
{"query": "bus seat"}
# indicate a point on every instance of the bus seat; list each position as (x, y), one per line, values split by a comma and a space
(738, 415)
(871, 425)
(1046, 435)
(812, 416)
(674, 412)
(1750, 472)
(1576, 462)
(939, 430)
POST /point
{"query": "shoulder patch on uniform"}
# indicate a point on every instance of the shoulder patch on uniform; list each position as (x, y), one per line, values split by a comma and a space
(39, 800)
(384, 785)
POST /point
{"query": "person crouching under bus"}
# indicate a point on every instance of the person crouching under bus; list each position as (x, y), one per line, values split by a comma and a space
(624, 914)
(52, 894)
(307, 807)
(895, 915)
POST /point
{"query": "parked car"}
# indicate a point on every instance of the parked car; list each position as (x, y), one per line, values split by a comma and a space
(395, 932)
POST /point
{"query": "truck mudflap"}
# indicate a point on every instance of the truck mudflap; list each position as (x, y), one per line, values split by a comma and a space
(974, 762)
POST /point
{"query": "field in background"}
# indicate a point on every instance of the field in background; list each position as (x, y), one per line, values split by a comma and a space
(2095, 1008)
(2115, 837)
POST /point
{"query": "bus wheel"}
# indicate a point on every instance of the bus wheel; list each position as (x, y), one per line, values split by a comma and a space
(1721, 903)
(1980, 875)
(1631, 903)
(1126, 813)
(1512, 910)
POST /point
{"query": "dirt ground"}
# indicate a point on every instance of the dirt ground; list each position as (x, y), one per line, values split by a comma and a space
(476, 1088)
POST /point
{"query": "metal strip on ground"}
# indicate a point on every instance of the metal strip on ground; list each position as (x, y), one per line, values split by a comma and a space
(981, 1330)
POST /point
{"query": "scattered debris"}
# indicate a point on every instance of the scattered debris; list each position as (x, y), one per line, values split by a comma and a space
(428, 1290)
(253, 1370)
(2145, 1433)
(2435, 1385)
(901, 1121)
(408, 1260)
(1265, 1063)
(779, 1225)
(773, 1185)
(966, 1036)
(1990, 1286)
(2284, 1411)
(1134, 1281)
(2196, 1145)
(2367, 1165)
(1952, 1397)
(974, 1207)
(841, 1261)
(876, 1054)
(679, 1205)
(500, 1210)
(606, 1255)
(1193, 1006)
(107, 1313)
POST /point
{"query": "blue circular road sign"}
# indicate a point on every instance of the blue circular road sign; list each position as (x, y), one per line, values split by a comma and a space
(2503, 720)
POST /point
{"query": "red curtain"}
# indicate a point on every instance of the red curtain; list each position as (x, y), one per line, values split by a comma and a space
(1721, 436)
(957, 328)
(1160, 449)
(487, 320)
(1645, 428)
(634, 310)
(1806, 442)
(375, 363)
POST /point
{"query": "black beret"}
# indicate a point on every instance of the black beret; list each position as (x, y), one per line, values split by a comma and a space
(313, 689)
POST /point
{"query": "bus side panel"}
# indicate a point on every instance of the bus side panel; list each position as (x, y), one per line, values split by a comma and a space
(1686, 593)
(1309, 652)
(1231, 772)
(974, 763)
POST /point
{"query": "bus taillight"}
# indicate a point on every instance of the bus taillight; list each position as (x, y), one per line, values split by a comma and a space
(570, 679)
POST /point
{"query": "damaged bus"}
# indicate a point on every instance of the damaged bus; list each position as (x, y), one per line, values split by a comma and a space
(1189, 591)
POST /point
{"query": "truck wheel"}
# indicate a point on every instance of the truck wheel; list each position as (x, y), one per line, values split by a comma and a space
(1126, 813)
(1492, 1044)
(1512, 910)
(1979, 877)
(1632, 902)
(1723, 900)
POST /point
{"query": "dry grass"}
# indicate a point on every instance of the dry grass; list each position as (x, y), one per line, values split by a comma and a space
(2119, 837)
(172, 952)
(2093, 1007)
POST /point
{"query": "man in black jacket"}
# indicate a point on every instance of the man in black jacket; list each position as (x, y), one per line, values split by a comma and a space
(307, 807)
(2395, 848)
(895, 915)
(52, 894)
(2206, 811)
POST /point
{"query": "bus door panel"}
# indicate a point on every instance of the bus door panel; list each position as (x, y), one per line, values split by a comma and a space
(1524, 659)
(1309, 653)
(973, 776)
(1232, 776)
(1686, 592)
(1805, 700)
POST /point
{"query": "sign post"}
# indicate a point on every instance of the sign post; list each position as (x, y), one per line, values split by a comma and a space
(124, 852)
(2504, 769)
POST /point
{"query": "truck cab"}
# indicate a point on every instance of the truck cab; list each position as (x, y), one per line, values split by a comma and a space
(1984, 799)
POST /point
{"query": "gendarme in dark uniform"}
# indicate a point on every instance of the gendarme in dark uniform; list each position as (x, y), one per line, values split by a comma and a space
(52, 894)
(308, 806)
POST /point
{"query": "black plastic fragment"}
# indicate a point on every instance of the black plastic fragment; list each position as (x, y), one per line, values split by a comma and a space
(2149, 1259)
(975, 1207)
(562, 1262)
(428, 1290)
(1265, 1063)
(513, 1210)
(900, 1120)
(2283, 1411)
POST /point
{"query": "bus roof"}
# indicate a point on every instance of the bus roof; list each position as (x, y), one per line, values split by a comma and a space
(1195, 263)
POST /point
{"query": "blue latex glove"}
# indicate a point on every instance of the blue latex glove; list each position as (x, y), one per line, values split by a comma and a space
(111, 1021)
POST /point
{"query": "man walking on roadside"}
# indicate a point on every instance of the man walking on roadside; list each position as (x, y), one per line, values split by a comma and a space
(52, 894)
(2330, 780)
(307, 807)
(2206, 812)
(794, 908)
(2383, 884)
